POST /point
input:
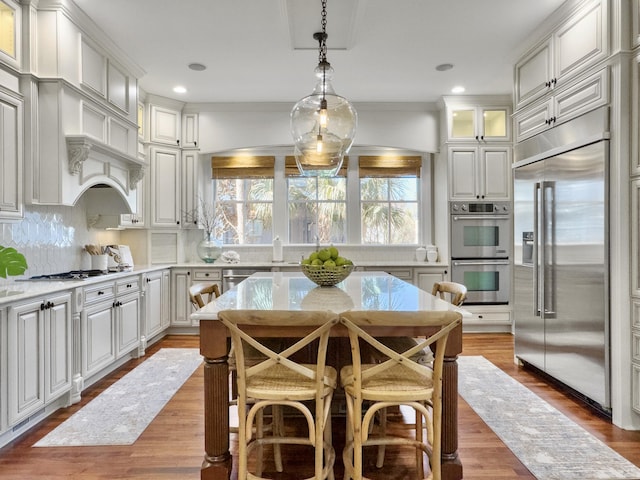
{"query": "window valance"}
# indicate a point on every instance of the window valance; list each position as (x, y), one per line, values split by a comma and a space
(389, 166)
(291, 168)
(243, 167)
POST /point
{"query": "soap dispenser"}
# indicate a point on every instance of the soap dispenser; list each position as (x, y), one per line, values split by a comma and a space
(277, 250)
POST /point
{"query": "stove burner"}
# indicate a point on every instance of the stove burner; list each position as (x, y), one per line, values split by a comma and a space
(71, 275)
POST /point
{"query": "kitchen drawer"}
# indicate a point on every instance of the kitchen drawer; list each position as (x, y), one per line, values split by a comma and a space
(206, 275)
(492, 317)
(128, 285)
(99, 293)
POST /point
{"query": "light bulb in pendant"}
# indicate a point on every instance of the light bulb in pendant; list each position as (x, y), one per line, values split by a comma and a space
(323, 113)
(319, 144)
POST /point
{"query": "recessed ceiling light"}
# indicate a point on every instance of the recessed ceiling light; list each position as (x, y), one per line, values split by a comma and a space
(198, 67)
(443, 67)
(179, 89)
(458, 89)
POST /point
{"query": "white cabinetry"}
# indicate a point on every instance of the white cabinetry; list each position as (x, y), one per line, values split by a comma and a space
(563, 105)
(11, 157)
(165, 125)
(127, 307)
(181, 280)
(180, 303)
(110, 323)
(478, 123)
(165, 187)
(157, 303)
(190, 130)
(578, 43)
(479, 173)
(39, 354)
(425, 277)
(487, 318)
(478, 147)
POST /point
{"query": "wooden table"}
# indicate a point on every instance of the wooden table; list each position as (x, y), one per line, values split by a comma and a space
(293, 291)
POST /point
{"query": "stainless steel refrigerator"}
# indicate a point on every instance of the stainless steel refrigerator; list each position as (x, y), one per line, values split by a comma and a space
(561, 310)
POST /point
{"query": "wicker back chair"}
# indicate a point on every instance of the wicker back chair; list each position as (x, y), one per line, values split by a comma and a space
(399, 380)
(197, 290)
(456, 291)
(280, 381)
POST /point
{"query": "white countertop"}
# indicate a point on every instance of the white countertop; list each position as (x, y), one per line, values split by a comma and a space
(292, 291)
(21, 290)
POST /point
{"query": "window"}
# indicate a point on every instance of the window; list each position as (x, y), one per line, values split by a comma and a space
(243, 193)
(317, 206)
(389, 199)
(381, 200)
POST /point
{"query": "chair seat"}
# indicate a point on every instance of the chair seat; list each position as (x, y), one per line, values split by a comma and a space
(278, 382)
(395, 384)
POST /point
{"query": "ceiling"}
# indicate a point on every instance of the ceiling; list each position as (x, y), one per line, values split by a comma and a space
(381, 50)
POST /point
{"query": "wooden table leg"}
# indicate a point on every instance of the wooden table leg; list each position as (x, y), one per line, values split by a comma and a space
(451, 465)
(217, 462)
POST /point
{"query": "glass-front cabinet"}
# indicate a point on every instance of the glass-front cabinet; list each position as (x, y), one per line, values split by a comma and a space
(10, 14)
(479, 124)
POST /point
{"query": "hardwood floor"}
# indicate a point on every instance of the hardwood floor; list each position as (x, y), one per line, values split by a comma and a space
(172, 446)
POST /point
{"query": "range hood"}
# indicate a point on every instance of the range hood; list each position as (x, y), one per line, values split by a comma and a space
(104, 206)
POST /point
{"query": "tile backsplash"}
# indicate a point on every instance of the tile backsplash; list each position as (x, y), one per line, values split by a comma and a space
(52, 238)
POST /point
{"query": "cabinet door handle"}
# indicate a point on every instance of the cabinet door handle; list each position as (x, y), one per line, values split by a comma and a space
(42, 306)
(100, 292)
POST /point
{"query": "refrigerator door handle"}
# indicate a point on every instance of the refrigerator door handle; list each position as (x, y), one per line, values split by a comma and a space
(549, 199)
(536, 248)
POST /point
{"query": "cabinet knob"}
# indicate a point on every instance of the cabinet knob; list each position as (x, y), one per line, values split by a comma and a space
(206, 274)
(178, 141)
(42, 306)
(178, 222)
(100, 292)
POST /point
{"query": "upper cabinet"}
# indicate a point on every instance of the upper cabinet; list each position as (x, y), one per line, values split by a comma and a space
(11, 157)
(479, 147)
(576, 44)
(165, 125)
(81, 124)
(10, 32)
(479, 123)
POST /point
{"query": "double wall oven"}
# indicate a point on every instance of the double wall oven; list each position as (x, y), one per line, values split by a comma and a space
(481, 250)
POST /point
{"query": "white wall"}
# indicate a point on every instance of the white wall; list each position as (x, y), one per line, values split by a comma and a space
(224, 127)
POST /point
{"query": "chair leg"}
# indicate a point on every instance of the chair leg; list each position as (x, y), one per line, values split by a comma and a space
(259, 436)
(383, 432)
(277, 430)
(419, 438)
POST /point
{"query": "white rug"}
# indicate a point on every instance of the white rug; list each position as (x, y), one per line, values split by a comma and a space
(548, 443)
(121, 413)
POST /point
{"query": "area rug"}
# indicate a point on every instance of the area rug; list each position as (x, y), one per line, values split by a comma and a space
(121, 413)
(548, 443)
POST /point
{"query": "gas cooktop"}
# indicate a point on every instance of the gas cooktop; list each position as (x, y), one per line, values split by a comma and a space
(71, 275)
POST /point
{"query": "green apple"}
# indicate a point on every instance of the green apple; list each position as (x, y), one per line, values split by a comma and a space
(324, 254)
(334, 252)
(329, 264)
(316, 261)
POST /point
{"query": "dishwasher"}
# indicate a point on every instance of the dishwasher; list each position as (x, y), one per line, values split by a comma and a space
(233, 276)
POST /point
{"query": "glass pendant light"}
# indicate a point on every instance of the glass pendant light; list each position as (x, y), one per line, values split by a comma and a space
(323, 124)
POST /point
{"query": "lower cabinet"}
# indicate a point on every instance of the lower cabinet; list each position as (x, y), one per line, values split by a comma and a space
(110, 323)
(157, 303)
(424, 278)
(487, 318)
(181, 280)
(180, 303)
(39, 354)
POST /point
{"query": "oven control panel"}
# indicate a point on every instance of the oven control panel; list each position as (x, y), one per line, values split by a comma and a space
(475, 208)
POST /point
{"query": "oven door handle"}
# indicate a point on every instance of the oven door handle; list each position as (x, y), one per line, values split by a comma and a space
(480, 217)
(458, 263)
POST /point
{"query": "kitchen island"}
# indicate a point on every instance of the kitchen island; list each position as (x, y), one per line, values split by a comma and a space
(374, 291)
